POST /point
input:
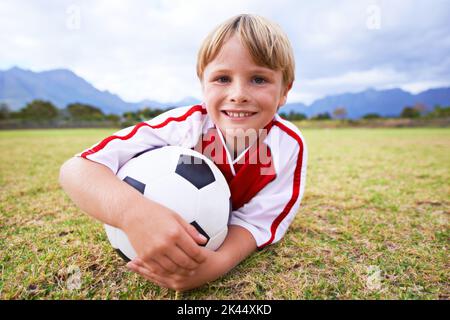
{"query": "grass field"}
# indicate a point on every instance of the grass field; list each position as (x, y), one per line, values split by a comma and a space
(374, 224)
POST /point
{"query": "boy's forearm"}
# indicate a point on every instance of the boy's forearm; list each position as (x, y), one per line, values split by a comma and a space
(238, 245)
(96, 190)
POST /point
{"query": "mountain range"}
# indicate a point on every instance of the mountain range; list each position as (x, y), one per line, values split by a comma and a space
(386, 103)
(62, 86)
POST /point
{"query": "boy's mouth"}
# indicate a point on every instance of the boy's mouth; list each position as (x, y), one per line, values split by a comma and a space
(238, 115)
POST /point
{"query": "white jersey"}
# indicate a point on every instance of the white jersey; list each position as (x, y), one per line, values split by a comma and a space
(267, 180)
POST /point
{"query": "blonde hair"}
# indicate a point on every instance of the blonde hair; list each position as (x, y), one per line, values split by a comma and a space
(266, 42)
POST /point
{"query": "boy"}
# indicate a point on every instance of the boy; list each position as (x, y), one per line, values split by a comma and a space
(246, 68)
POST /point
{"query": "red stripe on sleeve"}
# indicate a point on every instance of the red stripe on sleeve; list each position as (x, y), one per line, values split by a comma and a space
(295, 187)
(104, 142)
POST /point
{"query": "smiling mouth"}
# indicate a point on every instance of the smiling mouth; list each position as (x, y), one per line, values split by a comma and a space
(233, 114)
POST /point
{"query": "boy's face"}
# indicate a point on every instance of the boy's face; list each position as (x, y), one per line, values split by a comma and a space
(239, 94)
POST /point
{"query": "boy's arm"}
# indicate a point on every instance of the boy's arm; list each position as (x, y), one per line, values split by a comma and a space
(238, 245)
(159, 236)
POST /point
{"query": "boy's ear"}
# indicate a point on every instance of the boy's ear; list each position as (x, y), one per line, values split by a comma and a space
(285, 94)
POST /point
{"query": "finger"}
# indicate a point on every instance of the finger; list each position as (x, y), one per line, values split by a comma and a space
(144, 272)
(138, 269)
(151, 265)
(169, 281)
(169, 266)
(193, 232)
(159, 270)
(190, 248)
(158, 283)
(179, 257)
(158, 280)
(172, 268)
(182, 271)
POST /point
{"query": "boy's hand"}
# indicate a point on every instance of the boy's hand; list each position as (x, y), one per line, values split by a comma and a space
(238, 244)
(177, 281)
(164, 242)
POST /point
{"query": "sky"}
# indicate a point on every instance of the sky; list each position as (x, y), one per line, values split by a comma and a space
(147, 49)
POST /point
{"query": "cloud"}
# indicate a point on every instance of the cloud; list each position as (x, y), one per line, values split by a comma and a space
(353, 81)
(147, 49)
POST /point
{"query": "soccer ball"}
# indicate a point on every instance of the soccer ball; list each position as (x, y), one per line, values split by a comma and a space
(186, 182)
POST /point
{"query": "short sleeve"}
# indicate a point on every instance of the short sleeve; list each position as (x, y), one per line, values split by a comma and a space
(180, 126)
(269, 213)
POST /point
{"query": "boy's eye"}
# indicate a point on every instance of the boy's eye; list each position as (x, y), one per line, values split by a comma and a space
(259, 80)
(223, 79)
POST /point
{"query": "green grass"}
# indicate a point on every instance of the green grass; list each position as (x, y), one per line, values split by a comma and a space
(373, 224)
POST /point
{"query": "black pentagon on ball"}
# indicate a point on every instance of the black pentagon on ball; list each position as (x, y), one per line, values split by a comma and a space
(195, 170)
(139, 186)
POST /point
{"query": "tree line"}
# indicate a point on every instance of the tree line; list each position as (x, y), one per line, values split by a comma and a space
(410, 112)
(44, 113)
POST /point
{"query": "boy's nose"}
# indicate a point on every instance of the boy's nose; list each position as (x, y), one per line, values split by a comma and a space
(238, 94)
